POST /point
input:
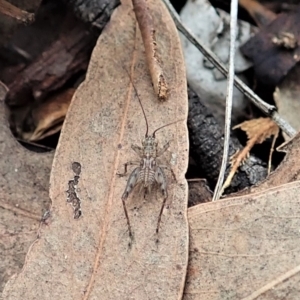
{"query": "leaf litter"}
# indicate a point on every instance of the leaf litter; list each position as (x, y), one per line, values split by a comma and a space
(258, 130)
(237, 242)
(247, 245)
(89, 257)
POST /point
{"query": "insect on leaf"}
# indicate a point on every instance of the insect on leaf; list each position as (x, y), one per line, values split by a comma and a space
(88, 257)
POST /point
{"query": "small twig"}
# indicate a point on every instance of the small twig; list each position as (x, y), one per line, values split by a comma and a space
(266, 108)
(206, 148)
(147, 29)
(10, 10)
(233, 23)
(271, 152)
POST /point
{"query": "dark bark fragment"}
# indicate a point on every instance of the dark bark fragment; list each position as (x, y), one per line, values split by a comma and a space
(58, 63)
(206, 142)
(95, 12)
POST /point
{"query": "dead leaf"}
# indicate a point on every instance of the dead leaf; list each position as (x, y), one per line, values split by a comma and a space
(288, 170)
(272, 61)
(24, 197)
(48, 117)
(89, 257)
(246, 246)
(258, 130)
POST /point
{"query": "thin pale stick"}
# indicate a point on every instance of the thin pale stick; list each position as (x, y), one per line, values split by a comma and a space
(271, 153)
(233, 25)
(266, 108)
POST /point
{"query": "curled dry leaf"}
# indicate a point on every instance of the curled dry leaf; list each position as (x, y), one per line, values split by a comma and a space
(246, 246)
(49, 116)
(88, 257)
(257, 130)
(24, 196)
(144, 12)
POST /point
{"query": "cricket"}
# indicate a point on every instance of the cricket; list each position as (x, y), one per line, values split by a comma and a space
(149, 171)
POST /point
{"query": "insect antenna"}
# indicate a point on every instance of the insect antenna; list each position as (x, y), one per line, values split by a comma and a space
(153, 134)
(147, 127)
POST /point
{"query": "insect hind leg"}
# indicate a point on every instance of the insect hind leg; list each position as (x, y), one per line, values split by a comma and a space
(130, 163)
(169, 169)
(127, 218)
(131, 183)
(161, 180)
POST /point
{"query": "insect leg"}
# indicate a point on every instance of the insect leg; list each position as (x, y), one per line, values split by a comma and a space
(170, 169)
(131, 183)
(162, 181)
(130, 163)
(163, 149)
(138, 150)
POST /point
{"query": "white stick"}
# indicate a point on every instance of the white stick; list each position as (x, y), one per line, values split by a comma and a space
(233, 26)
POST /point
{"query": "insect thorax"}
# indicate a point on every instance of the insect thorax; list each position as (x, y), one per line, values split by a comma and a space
(150, 146)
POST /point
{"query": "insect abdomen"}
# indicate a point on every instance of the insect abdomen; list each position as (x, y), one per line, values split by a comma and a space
(147, 177)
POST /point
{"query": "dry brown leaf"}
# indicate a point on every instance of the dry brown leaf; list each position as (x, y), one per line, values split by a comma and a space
(246, 247)
(289, 169)
(24, 196)
(89, 258)
(257, 130)
(49, 116)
